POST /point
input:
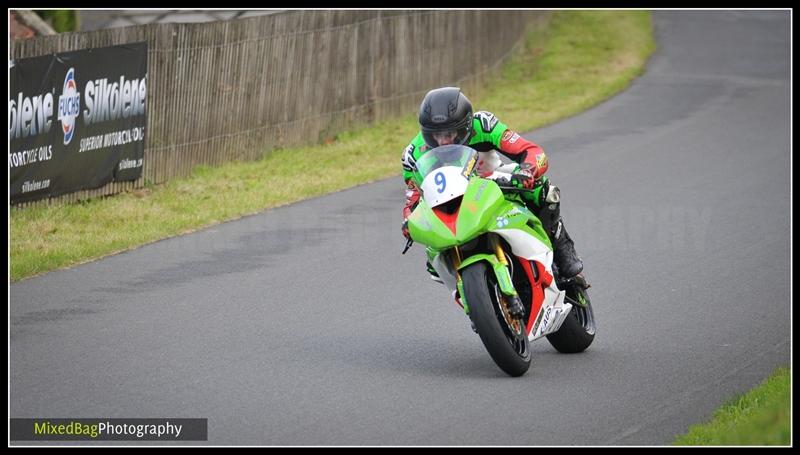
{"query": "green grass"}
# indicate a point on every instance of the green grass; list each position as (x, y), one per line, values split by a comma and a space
(577, 60)
(759, 417)
(62, 20)
(582, 58)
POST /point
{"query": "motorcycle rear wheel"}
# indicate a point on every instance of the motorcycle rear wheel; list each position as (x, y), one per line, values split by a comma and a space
(577, 331)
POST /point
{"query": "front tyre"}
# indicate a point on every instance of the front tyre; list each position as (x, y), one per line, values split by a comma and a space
(577, 331)
(504, 338)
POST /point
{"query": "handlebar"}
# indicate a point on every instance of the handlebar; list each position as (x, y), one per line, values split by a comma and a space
(513, 188)
(505, 184)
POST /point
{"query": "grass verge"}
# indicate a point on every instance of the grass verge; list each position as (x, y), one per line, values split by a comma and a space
(579, 59)
(759, 417)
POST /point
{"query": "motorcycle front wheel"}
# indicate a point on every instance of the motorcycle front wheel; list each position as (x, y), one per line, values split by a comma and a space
(503, 337)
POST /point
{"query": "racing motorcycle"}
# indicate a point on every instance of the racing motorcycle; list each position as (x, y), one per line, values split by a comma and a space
(488, 249)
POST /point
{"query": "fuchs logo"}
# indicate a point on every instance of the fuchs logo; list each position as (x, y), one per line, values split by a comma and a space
(69, 105)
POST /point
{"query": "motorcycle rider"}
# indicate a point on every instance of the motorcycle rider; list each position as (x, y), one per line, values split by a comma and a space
(446, 117)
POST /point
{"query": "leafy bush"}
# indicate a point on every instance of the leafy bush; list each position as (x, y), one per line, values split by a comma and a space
(62, 20)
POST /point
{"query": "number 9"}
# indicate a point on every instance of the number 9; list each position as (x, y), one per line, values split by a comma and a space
(440, 180)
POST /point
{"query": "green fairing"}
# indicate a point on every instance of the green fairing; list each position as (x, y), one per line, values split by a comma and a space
(481, 203)
(426, 228)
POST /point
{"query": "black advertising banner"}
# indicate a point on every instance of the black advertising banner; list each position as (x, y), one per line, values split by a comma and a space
(76, 120)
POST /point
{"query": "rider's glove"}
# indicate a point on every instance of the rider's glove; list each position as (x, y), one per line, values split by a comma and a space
(406, 234)
(523, 178)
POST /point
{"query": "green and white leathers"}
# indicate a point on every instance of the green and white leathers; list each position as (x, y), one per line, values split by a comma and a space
(476, 236)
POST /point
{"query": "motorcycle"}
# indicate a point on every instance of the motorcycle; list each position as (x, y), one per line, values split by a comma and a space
(489, 248)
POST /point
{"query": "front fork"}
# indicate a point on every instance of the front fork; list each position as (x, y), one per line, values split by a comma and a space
(498, 262)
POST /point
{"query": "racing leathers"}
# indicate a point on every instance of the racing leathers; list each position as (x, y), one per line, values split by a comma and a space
(490, 135)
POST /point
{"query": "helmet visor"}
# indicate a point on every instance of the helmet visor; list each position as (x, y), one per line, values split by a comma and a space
(446, 137)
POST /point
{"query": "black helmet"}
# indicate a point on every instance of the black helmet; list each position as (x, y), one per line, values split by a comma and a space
(445, 110)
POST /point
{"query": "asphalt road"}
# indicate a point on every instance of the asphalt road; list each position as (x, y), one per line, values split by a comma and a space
(305, 324)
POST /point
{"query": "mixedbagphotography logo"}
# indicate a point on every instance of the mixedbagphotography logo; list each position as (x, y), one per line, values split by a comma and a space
(109, 430)
(69, 105)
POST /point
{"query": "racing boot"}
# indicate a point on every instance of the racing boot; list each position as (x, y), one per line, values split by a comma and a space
(567, 261)
(549, 213)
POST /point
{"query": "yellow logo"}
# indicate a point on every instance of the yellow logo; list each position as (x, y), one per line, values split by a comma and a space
(468, 168)
(541, 160)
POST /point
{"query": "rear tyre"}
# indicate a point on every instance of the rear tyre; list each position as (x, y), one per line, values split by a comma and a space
(577, 331)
